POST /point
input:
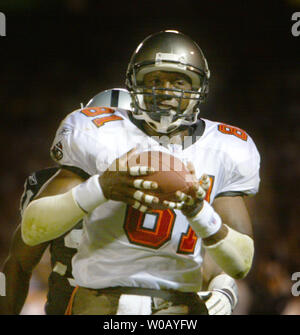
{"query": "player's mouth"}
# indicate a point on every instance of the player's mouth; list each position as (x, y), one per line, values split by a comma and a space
(169, 104)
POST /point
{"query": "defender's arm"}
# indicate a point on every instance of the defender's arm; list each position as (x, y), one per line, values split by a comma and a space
(18, 269)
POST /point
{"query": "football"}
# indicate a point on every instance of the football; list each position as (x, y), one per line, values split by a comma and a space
(170, 174)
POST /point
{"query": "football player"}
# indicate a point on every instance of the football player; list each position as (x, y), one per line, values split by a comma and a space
(23, 258)
(133, 258)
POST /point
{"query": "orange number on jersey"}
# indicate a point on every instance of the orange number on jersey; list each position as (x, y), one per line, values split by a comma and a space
(161, 229)
(101, 121)
(226, 129)
(151, 237)
(96, 111)
(188, 240)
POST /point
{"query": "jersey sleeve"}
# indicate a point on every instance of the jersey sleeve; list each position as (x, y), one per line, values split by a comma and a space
(34, 184)
(77, 145)
(68, 148)
(242, 169)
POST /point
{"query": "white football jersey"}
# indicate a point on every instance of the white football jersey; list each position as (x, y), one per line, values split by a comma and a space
(124, 247)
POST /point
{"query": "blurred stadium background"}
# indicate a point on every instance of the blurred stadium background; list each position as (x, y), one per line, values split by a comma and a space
(58, 54)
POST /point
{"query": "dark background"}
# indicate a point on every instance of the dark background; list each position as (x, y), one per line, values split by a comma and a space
(58, 54)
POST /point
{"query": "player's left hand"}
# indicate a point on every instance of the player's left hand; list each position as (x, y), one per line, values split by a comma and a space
(217, 303)
(191, 204)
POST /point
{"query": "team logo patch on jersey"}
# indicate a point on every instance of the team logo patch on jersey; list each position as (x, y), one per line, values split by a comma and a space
(57, 151)
(32, 179)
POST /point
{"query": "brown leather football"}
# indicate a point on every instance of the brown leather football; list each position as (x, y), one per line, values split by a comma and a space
(170, 174)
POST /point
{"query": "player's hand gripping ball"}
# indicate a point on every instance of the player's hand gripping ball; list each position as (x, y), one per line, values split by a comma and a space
(191, 202)
(170, 174)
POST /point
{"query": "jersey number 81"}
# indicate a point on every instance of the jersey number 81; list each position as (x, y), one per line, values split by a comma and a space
(154, 229)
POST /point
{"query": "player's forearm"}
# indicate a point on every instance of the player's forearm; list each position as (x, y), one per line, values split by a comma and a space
(231, 250)
(47, 218)
(17, 285)
(233, 253)
(50, 217)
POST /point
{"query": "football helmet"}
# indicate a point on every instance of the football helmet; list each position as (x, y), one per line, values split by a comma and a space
(169, 51)
(114, 98)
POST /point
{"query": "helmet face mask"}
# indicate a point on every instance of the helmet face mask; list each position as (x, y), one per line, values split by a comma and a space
(167, 52)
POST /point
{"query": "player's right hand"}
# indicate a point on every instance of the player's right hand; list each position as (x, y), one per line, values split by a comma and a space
(121, 182)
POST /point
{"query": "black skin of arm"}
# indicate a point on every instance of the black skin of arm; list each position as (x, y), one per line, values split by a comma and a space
(233, 212)
(18, 269)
